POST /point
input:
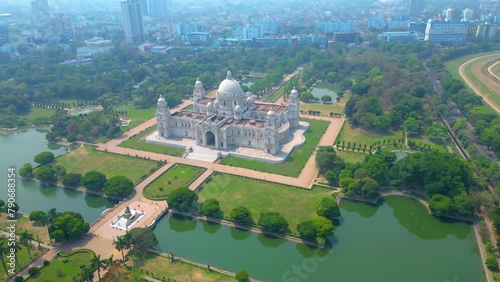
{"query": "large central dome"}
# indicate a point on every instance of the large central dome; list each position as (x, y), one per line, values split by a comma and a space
(230, 87)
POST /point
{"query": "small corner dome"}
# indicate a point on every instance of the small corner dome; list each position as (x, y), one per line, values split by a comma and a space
(237, 109)
(198, 82)
(271, 113)
(249, 99)
(210, 105)
(294, 92)
(161, 99)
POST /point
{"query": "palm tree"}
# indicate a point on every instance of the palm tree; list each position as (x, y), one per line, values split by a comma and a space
(108, 262)
(4, 249)
(25, 238)
(96, 263)
(87, 274)
(120, 244)
(44, 221)
(17, 248)
(129, 240)
(51, 215)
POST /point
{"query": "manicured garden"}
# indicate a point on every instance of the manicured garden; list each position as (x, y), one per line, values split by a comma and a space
(326, 109)
(137, 113)
(86, 158)
(295, 162)
(23, 259)
(138, 142)
(295, 204)
(179, 175)
(163, 269)
(351, 157)
(65, 267)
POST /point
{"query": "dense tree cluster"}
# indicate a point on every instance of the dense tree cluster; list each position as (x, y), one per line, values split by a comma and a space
(329, 164)
(88, 127)
(273, 222)
(242, 216)
(182, 199)
(118, 186)
(211, 208)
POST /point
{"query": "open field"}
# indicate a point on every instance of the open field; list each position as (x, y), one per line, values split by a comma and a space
(351, 157)
(179, 175)
(479, 82)
(136, 113)
(64, 268)
(138, 142)
(40, 112)
(453, 65)
(353, 134)
(22, 224)
(325, 109)
(178, 271)
(295, 204)
(86, 158)
(295, 162)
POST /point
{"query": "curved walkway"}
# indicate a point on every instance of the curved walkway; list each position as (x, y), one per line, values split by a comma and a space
(484, 79)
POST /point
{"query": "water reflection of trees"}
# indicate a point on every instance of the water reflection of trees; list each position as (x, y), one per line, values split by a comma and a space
(239, 234)
(414, 216)
(94, 201)
(365, 210)
(181, 223)
(210, 227)
(270, 241)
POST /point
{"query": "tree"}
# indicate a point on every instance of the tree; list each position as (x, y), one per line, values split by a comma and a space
(26, 170)
(46, 174)
(307, 231)
(10, 206)
(242, 276)
(44, 158)
(327, 159)
(306, 97)
(326, 98)
(26, 238)
(37, 216)
(436, 130)
(211, 207)
(72, 179)
(273, 222)
(463, 204)
(328, 208)
(96, 264)
(94, 180)
(87, 274)
(118, 186)
(441, 205)
(241, 216)
(182, 199)
(412, 125)
(491, 262)
(324, 227)
(32, 271)
(108, 262)
(143, 239)
(120, 244)
(4, 250)
(70, 225)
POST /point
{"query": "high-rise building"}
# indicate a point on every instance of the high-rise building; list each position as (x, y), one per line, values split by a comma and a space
(132, 21)
(144, 8)
(158, 8)
(40, 13)
(181, 29)
(4, 34)
(268, 27)
(61, 24)
(452, 15)
(446, 31)
(252, 31)
(467, 15)
(416, 8)
(486, 30)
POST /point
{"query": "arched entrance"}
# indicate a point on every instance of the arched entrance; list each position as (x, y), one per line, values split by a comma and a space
(210, 137)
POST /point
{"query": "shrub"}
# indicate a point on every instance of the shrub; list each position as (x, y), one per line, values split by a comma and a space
(33, 271)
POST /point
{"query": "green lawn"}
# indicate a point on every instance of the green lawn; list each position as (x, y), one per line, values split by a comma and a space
(23, 259)
(136, 113)
(496, 69)
(86, 158)
(161, 267)
(189, 108)
(179, 175)
(64, 269)
(351, 157)
(452, 66)
(295, 162)
(138, 142)
(23, 223)
(295, 204)
(325, 109)
(353, 134)
(40, 112)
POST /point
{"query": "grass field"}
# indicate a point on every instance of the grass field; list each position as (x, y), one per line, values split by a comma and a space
(85, 158)
(295, 204)
(353, 134)
(295, 162)
(40, 112)
(179, 175)
(452, 66)
(351, 157)
(189, 108)
(138, 142)
(136, 113)
(161, 267)
(64, 268)
(22, 224)
(23, 259)
(485, 89)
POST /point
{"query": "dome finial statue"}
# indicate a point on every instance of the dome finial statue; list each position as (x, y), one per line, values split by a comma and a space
(229, 76)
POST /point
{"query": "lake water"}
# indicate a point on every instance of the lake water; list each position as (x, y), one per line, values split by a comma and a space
(250, 80)
(20, 147)
(396, 241)
(401, 154)
(324, 88)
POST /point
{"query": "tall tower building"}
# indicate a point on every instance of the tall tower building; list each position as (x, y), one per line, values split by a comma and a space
(132, 21)
(4, 34)
(40, 13)
(158, 8)
(144, 7)
(467, 15)
(416, 8)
